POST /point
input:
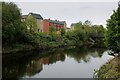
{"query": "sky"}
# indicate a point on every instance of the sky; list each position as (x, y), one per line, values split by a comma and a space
(95, 11)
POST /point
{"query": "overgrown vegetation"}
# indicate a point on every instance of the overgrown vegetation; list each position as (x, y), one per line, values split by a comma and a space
(112, 68)
(113, 31)
(109, 70)
(86, 34)
(18, 35)
(15, 32)
(31, 24)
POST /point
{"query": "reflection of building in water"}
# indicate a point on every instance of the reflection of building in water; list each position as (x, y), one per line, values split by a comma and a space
(52, 58)
(45, 60)
(29, 66)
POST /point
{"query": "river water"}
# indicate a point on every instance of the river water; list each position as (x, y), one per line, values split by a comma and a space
(55, 63)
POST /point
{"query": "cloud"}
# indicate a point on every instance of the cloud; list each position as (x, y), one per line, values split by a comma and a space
(97, 12)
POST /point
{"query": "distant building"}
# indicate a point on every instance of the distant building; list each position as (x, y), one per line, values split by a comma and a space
(119, 3)
(39, 20)
(67, 29)
(57, 24)
(43, 25)
(72, 26)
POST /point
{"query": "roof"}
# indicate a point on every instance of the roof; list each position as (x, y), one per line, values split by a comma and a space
(37, 16)
(68, 28)
(57, 22)
(24, 16)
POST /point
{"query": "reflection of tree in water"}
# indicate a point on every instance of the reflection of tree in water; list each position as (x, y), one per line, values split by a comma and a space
(29, 65)
(53, 57)
(18, 67)
(84, 54)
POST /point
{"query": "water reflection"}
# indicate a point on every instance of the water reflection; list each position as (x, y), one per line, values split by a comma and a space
(31, 63)
(84, 54)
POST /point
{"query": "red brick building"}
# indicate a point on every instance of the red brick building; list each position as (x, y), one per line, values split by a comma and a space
(57, 24)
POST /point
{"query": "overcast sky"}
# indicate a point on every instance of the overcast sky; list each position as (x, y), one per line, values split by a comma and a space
(71, 12)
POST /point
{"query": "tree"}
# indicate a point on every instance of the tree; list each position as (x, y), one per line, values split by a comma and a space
(12, 29)
(51, 29)
(101, 29)
(31, 23)
(113, 31)
(78, 26)
(76, 37)
(62, 31)
(87, 23)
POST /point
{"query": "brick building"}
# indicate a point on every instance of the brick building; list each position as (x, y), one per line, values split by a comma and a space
(44, 24)
(57, 24)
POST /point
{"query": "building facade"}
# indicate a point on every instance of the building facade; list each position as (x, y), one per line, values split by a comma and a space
(57, 24)
(72, 26)
(67, 29)
(38, 19)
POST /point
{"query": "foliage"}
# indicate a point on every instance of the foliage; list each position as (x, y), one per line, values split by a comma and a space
(108, 70)
(78, 26)
(31, 23)
(113, 31)
(62, 31)
(51, 29)
(77, 36)
(87, 23)
(11, 24)
(100, 29)
(16, 32)
(89, 33)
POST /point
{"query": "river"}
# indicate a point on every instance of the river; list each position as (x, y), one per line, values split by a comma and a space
(55, 63)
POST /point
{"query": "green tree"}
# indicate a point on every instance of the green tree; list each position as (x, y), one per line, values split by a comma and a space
(51, 29)
(31, 23)
(101, 29)
(113, 31)
(87, 23)
(12, 29)
(78, 26)
(75, 37)
(62, 31)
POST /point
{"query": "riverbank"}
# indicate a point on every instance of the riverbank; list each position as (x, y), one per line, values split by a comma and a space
(44, 41)
(111, 69)
(48, 46)
(35, 63)
(17, 48)
(28, 47)
(47, 43)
